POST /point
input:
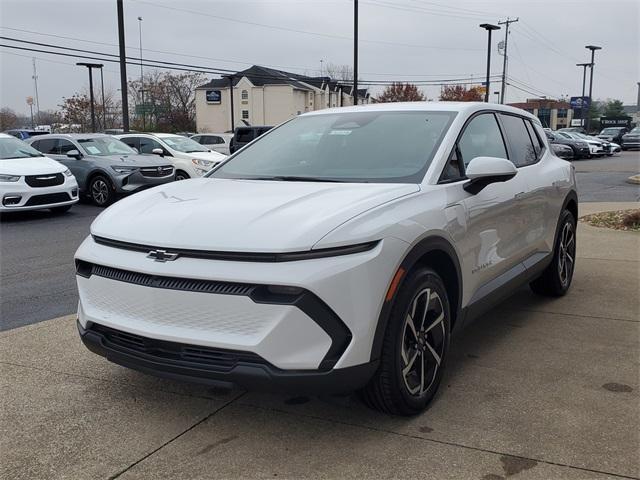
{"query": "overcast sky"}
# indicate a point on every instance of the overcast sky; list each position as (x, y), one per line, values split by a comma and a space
(399, 40)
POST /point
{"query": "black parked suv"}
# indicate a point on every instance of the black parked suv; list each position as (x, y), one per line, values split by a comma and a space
(579, 147)
(244, 135)
(613, 134)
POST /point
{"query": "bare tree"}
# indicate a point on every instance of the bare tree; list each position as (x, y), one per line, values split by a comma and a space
(342, 73)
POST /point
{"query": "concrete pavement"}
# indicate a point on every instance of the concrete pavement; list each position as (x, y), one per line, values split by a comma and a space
(538, 388)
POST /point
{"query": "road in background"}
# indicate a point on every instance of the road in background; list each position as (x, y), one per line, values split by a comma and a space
(37, 279)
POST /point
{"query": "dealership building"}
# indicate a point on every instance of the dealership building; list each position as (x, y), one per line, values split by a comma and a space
(553, 114)
(265, 96)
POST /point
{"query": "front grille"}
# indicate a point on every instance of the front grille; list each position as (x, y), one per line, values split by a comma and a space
(48, 199)
(44, 180)
(171, 283)
(213, 358)
(157, 171)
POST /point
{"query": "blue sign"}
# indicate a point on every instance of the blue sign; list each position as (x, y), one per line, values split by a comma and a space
(578, 102)
(213, 96)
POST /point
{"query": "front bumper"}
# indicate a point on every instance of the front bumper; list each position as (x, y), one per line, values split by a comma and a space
(136, 181)
(194, 364)
(18, 196)
(222, 304)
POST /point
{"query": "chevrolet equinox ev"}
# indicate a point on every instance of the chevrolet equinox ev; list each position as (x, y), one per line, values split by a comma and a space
(324, 258)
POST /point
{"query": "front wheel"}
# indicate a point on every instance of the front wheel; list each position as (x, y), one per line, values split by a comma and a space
(414, 349)
(100, 191)
(555, 280)
(180, 175)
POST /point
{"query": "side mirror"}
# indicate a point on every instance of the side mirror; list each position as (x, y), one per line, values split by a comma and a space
(482, 171)
(74, 154)
(158, 151)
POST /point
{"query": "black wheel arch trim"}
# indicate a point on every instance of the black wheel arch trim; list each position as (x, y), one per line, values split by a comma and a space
(423, 247)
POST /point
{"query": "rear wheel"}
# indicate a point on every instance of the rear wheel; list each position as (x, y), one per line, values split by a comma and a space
(415, 347)
(556, 278)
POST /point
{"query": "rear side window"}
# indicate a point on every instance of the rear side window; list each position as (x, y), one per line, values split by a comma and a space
(64, 147)
(46, 146)
(213, 140)
(482, 138)
(538, 146)
(133, 142)
(522, 149)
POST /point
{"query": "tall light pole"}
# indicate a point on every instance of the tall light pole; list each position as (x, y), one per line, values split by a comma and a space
(584, 79)
(141, 75)
(90, 67)
(593, 49)
(123, 67)
(104, 108)
(489, 28)
(355, 52)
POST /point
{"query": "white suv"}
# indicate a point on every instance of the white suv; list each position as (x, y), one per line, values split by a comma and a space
(190, 159)
(324, 258)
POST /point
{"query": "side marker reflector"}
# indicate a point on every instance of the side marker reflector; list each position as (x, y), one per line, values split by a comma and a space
(394, 284)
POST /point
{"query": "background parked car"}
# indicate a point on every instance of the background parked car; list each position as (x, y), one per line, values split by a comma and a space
(580, 148)
(23, 134)
(631, 139)
(218, 142)
(244, 135)
(596, 147)
(562, 151)
(103, 165)
(613, 134)
(31, 181)
(190, 159)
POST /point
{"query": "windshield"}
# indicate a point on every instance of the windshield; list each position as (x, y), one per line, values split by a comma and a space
(14, 148)
(103, 146)
(390, 147)
(635, 130)
(609, 131)
(183, 144)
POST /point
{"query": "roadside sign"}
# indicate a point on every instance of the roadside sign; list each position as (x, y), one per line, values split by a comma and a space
(144, 108)
(615, 121)
(578, 102)
(576, 122)
(29, 100)
(213, 96)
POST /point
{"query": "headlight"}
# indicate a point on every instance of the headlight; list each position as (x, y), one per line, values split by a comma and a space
(120, 169)
(9, 178)
(68, 173)
(202, 163)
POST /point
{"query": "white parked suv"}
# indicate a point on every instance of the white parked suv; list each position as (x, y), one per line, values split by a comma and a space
(324, 258)
(31, 181)
(190, 159)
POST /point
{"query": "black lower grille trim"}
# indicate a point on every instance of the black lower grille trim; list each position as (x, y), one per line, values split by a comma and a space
(47, 199)
(207, 357)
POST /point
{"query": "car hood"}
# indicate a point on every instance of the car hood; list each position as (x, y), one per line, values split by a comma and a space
(241, 215)
(135, 160)
(30, 166)
(212, 156)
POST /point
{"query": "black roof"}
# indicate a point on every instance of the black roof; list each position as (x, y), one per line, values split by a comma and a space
(260, 76)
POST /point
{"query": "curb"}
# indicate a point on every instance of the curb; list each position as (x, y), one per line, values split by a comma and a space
(635, 179)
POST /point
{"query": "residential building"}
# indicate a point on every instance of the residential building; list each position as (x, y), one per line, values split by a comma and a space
(553, 114)
(265, 96)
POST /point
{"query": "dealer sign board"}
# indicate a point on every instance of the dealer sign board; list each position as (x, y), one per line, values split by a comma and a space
(213, 96)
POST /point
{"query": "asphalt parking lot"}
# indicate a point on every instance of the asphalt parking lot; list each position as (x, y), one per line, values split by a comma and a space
(537, 388)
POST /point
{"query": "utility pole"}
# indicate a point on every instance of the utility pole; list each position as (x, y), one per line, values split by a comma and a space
(144, 126)
(593, 49)
(35, 85)
(355, 52)
(489, 28)
(507, 22)
(584, 80)
(104, 107)
(123, 68)
(233, 127)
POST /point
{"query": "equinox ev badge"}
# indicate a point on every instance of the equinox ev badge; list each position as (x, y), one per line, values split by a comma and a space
(162, 255)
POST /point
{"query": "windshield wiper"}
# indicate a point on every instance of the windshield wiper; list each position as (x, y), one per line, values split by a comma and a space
(293, 178)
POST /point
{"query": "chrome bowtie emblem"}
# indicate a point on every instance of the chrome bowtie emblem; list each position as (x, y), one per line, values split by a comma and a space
(162, 255)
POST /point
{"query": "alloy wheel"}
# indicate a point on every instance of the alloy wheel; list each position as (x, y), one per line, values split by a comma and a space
(423, 342)
(566, 253)
(100, 191)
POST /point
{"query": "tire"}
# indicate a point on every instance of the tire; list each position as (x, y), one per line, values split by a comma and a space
(100, 191)
(180, 175)
(422, 356)
(60, 210)
(555, 280)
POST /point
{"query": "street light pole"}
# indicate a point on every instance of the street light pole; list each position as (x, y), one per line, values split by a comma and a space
(593, 49)
(141, 76)
(489, 28)
(355, 52)
(584, 79)
(123, 67)
(90, 67)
